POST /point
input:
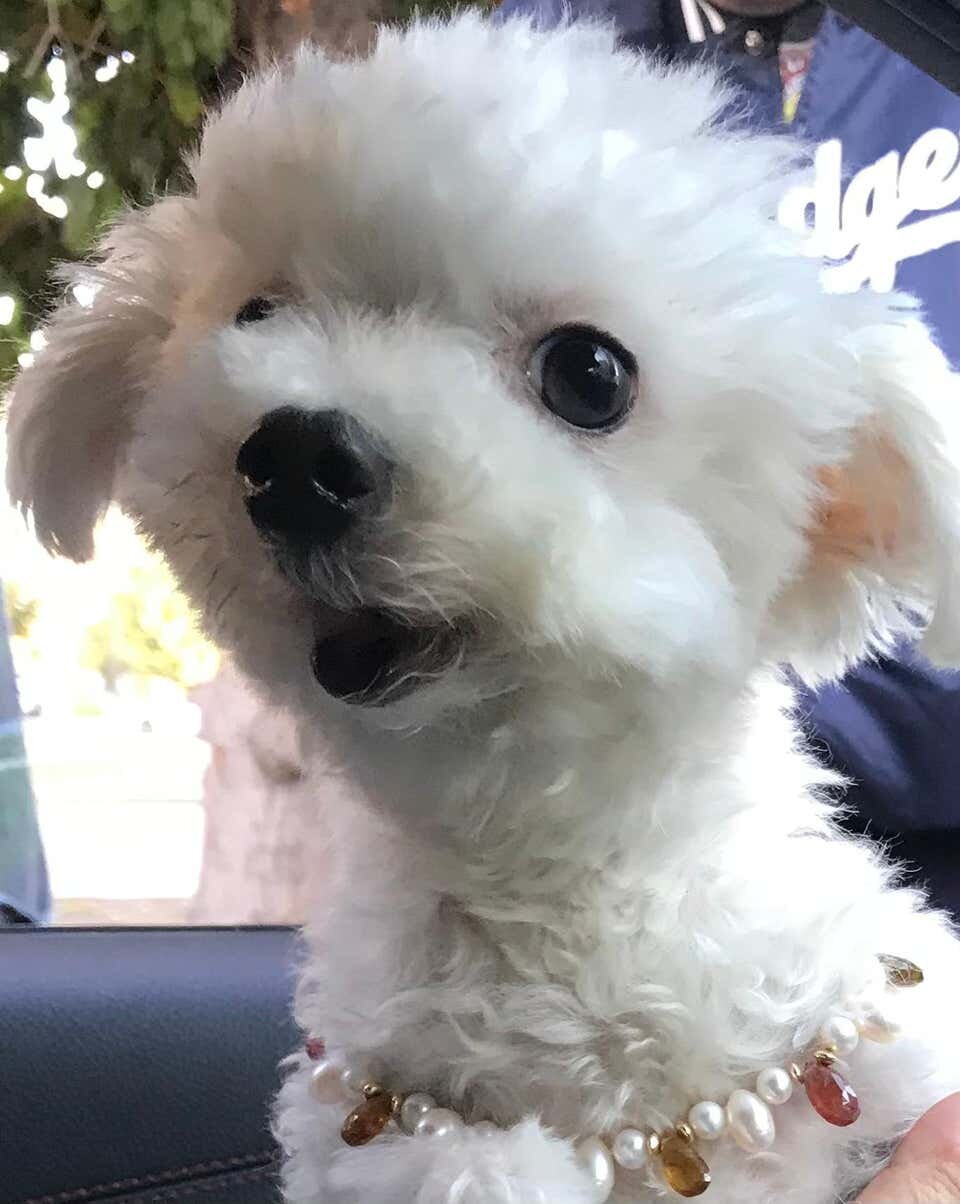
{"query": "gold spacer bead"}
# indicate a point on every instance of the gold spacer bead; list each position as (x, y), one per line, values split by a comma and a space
(396, 1104)
(372, 1088)
(686, 1134)
(826, 1057)
(653, 1143)
(796, 1072)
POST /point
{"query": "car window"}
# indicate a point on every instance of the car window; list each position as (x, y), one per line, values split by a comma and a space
(143, 780)
(109, 739)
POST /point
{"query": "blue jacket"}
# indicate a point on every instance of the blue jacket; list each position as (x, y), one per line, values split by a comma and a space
(886, 213)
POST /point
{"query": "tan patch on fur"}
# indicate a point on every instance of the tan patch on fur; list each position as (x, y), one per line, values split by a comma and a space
(867, 504)
(220, 282)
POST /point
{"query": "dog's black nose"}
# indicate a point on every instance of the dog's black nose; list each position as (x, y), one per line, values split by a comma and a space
(310, 475)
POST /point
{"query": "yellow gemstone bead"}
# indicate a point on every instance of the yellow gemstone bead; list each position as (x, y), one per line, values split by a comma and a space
(683, 1168)
(900, 971)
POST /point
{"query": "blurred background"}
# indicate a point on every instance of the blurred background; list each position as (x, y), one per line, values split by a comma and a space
(141, 780)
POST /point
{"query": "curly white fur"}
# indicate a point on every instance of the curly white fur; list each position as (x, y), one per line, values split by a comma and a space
(596, 878)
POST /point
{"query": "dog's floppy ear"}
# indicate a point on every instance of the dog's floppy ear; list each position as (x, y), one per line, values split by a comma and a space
(70, 412)
(884, 539)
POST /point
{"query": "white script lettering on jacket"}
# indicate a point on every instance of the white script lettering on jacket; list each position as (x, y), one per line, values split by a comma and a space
(891, 210)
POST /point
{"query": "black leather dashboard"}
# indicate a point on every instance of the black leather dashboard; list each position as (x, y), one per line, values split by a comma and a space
(137, 1066)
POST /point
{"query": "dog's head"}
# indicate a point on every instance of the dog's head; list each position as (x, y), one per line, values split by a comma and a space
(482, 363)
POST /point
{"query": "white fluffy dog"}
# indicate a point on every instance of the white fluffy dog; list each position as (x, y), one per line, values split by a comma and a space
(492, 422)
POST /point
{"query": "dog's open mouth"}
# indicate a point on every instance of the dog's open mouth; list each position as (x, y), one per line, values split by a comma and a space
(372, 658)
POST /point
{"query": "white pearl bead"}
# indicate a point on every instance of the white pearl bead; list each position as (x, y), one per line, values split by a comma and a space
(841, 1032)
(413, 1107)
(326, 1083)
(486, 1128)
(630, 1149)
(875, 1025)
(750, 1121)
(774, 1085)
(707, 1119)
(595, 1158)
(438, 1122)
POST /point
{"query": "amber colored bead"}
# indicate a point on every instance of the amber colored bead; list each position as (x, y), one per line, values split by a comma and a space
(899, 971)
(368, 1120)
(683, 1168)
(830, 1093)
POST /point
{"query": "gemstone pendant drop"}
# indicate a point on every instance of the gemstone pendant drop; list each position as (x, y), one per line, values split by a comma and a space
(830, 1093)
(900, 971)
(683, 1168)
(368, 1120)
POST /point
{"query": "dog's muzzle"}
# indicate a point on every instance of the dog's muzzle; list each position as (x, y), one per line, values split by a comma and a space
(311, 480)
(310, 477)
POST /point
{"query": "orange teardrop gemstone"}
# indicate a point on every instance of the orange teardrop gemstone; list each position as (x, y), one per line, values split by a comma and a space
(367, 1121)
(830, 1093)
(683, 1168)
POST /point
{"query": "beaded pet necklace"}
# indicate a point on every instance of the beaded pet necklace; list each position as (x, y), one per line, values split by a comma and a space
(746, 1116)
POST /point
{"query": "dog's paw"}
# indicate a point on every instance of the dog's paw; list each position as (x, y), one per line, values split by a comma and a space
(522, 1165)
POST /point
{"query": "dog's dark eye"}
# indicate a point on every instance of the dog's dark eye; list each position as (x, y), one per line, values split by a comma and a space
(255, 310)
(585, 377)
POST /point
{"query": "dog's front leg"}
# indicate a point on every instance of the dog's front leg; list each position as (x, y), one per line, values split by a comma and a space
(522, 1165)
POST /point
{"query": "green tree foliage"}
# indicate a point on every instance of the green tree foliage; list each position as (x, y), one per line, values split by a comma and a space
(138, 73)
(21, 609)
(150, 631)
(130, 128)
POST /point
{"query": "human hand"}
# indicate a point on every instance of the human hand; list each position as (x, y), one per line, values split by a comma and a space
(926, 1167)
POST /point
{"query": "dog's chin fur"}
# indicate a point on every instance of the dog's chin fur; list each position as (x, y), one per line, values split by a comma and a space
(595, 877)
